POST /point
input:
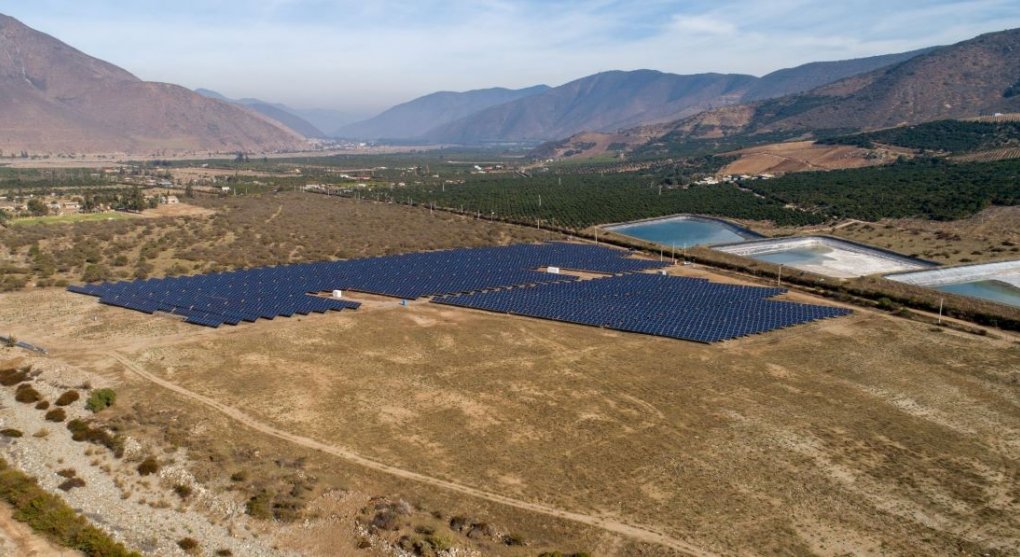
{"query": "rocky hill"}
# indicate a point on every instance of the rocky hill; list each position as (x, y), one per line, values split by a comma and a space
(56, 99)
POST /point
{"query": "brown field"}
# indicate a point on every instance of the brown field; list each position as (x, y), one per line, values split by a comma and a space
(800, 156)
(991, 235)
(865, 435)
(234, 232)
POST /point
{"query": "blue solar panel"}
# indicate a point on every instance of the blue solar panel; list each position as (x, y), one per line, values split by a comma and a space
(268, 292)
(674, 307)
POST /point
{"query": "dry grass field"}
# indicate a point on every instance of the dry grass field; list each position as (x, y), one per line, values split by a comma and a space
(800, 156)
(233, 232)
(865, 435)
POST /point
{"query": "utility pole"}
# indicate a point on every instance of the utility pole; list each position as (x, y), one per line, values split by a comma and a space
(779, 276)
(940, 309)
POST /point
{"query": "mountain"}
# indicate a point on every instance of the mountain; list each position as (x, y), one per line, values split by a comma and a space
(610, 101)
(815, 74)
(970, 78)
(278, 112)
(414, 118)
(54, 98)
(601, 102)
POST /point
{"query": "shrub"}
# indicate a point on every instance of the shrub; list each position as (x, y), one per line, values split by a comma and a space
(239, 476)
(67, 473)
(67, 398)
(11, 432)
(260, 506)
(56, 415)
(27, 394)
(42, 405)
(148, 466)
(513, 540)
(11, 377)
(82, 431)
(71, 483)
(187, 544)
(100, 399)
(224, 552)
(182, 491)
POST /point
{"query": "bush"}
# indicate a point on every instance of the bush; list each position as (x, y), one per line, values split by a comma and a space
(11, 432)
(100, 399)
(11, 377)
(27, 394)
(56, 415)
(239, 476)
(67, 398)
(67, 473)
(260, 506)
(51, 517)
(42, 405)
(148, 466)
(82, 431)
(182, 491)
(187, 544)
(224, 552)
(71, 483)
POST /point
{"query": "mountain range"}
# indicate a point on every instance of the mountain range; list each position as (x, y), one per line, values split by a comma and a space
(54, 98)
(970, 78)
(602, 102)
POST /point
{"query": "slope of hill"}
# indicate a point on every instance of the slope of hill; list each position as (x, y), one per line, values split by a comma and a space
(602, 102)
(962, 80)
(610, 101)
(414, 118)
(54, 98)
(815, 74)
(282, 114)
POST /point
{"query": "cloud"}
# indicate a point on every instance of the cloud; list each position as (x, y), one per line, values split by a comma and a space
(701, 24)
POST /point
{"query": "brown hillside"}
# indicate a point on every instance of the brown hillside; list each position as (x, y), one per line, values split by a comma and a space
(957, 81)
(54, 98)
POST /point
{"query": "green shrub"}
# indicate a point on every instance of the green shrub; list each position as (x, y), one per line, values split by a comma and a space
(11, 432)
(260, 506)
(67, 398)
(56, 415)
(101, 399)
(148, 466)
(82, 431)
(182, 491)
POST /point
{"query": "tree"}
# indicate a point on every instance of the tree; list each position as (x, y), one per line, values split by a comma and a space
(37, 207)
(4, 216)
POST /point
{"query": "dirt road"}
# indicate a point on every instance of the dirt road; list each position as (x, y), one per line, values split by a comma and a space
(638, 533)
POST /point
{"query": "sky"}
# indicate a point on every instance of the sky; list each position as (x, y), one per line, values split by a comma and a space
(364, 56)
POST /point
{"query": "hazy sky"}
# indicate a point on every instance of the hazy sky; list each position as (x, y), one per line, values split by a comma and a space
(366, 55)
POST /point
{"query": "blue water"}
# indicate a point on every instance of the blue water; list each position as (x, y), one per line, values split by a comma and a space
(986, 289)
(685, 232)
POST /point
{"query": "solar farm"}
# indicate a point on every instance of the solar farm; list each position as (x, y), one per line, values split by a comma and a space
(503, 279)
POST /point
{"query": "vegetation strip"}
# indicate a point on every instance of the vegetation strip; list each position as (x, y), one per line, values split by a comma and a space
(50, 516)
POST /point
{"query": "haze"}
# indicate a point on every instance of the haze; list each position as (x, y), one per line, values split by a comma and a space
(364, 57)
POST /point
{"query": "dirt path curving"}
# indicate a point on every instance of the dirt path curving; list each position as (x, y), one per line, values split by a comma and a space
(17, 538)
(634, 532)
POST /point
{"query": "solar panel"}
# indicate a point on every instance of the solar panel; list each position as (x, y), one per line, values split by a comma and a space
(268, 292)
(674, 307)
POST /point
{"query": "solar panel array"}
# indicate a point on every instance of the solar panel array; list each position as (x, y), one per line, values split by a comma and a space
(666, 306)
(267, 292)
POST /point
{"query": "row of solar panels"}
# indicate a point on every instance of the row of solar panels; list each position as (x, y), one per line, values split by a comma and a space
(266, 292)
(675, 307)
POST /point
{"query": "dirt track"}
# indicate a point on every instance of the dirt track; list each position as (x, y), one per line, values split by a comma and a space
(639, 533)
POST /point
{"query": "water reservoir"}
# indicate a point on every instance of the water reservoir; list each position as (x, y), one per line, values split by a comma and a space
(685, 230)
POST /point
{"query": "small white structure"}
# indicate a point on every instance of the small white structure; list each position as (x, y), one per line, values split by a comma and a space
(338, 294)
(553, 270)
